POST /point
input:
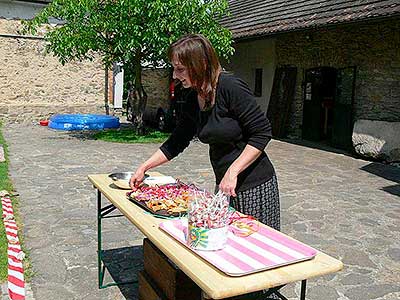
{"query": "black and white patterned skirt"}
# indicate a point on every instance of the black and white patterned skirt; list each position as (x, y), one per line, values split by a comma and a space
(261, 202)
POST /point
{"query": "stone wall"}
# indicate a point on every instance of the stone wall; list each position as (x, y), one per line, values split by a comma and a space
(34, 85)
(372, 47)
(156, 85)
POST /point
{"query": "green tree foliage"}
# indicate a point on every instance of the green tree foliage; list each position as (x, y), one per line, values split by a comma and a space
(134, 32)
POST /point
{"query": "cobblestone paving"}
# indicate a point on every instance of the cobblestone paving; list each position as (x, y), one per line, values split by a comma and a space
(346, 207)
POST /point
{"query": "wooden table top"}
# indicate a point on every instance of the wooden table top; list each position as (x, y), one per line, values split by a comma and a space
(213, 282)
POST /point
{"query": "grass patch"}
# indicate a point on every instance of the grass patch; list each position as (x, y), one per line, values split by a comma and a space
(130, 136)
(6, 184)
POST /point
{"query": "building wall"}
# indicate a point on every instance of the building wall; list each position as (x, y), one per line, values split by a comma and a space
(247, 58)
(156, 85)
(19, 9)
(372, 47)
(34, 85)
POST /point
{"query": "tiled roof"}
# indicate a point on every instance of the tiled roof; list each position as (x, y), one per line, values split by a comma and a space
(251, 18)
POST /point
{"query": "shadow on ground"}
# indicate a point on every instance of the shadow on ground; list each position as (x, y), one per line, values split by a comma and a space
(388, 172)
(320, 146)
(123, 265)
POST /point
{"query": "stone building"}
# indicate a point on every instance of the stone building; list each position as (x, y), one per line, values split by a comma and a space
(320, 67)
(33, 84)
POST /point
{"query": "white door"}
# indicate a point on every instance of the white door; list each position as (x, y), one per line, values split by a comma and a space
(118, 72)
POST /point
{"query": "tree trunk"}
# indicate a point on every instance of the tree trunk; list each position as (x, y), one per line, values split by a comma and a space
(141, 96)
(106, 106)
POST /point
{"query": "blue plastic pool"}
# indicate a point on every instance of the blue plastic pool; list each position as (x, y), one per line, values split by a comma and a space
(83, 122)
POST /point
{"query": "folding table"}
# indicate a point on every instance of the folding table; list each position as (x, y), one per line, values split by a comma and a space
(214, 283)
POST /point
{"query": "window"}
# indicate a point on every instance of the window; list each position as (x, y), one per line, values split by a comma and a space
(258, 83)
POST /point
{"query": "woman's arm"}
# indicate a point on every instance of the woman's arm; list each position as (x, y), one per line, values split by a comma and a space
(245, 159)
(185, 129)
(242, 104)
(158, 158)
(256, 129)
(179, 139)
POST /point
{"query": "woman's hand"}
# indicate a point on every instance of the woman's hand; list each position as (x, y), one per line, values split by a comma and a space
(137, 178)
(158, 158)
(245, 159)
(228, 183)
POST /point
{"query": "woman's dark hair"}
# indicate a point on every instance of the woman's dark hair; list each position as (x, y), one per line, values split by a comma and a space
(195, 52)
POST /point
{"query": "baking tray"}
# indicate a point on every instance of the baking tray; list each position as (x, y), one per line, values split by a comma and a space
(162, 212)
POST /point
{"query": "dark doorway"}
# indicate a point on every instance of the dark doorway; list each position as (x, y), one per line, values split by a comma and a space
(282, 96)
(327, 106)
(343, 122)
(319, 93)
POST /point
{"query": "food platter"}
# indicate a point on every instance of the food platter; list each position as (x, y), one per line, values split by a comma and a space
(169, 200)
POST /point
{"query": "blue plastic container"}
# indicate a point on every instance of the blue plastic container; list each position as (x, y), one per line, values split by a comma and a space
(83, 122)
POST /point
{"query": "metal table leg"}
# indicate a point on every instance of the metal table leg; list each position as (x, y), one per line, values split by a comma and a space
(303, 290)
(102, 213)
(273, 293)
(99, 258)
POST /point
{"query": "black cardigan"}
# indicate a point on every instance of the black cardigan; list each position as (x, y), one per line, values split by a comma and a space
(234, 121)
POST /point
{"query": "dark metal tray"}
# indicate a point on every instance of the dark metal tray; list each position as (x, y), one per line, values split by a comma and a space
(160, 213)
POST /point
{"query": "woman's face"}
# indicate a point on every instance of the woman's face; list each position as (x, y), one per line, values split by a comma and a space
(181, 73)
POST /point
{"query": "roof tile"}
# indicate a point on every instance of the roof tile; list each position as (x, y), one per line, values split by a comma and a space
(250, 18)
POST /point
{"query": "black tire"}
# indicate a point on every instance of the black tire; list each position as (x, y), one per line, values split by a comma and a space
(129, 112)
(161, 121)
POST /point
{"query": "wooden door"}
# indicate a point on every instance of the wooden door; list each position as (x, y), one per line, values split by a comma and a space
(282, 95)
(312, 110)
(342, 129)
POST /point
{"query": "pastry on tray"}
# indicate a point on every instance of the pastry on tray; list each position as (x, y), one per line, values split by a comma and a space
(167, 199)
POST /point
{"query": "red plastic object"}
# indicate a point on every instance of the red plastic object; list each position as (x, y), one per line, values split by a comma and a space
(44, 122)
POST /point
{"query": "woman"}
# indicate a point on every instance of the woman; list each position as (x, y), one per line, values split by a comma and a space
(223, 112)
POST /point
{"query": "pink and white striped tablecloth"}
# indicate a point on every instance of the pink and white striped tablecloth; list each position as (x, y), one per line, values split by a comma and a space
(263, 250)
